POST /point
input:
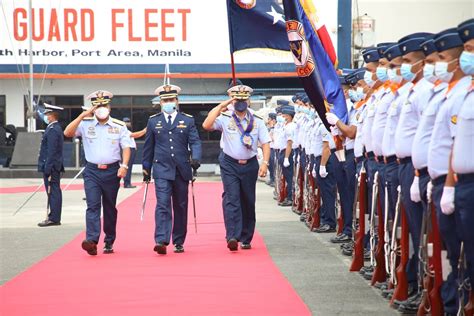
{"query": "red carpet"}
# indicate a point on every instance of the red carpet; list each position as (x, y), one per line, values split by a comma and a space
(205, 280)
(27, 189)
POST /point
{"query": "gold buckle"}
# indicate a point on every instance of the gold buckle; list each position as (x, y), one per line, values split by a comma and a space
(242, 162)
(103, 167)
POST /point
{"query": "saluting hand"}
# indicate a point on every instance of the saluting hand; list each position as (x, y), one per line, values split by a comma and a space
(89, 111)
(225, 104)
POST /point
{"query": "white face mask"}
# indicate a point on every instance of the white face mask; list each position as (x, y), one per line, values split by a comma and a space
(392, 75)
(441, 71)
(102, 113)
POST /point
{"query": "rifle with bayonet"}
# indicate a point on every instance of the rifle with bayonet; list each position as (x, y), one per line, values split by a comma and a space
(373, 208)
(396, 234)
(299, 187)
(315, 198)
(387, 227)
(379, 272)
(400, 292)
(425, 275)
(358, 233)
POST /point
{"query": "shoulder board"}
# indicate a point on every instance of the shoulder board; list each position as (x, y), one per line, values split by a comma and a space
(226, 114)
(155, 115)
(119, 122)
(185, 114)
(258, 116)
(89, 118)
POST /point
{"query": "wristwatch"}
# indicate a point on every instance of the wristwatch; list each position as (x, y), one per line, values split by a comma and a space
(122, 165)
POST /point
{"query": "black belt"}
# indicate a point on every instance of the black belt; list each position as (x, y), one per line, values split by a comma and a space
(390, 159)
(240, 161)
(439, 180)
(423, 172)
(103, 166)
(467, 177)
(349, 151)
(370, 154)
(359, 159)
(404, 160)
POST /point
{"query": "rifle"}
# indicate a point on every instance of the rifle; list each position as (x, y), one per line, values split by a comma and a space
(386, 237)
(435, 256)
(359, 233)
(401, 288)
(425, 275)
(379, 273)
(276, 187)
(372, 218)
(307, 179)
(299, 189)
(316, 206)
(394, 248)
(463, 282)
(282, 186)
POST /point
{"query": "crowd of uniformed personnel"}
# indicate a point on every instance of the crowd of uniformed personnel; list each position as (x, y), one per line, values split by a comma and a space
(402, 198)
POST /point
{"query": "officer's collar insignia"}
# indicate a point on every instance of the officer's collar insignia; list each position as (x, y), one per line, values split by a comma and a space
(159, 123)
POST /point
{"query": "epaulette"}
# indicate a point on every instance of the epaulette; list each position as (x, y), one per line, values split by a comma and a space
(226, 114)
(119, 122)
(185, 114)
(155, 115)
(88, 118)
(258, 116)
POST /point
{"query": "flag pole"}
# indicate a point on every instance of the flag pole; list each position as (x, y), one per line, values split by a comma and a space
(233, 68)
(231, 41)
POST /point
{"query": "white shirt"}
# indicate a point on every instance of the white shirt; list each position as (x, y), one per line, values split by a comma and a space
(463, 150)
(290, 133)
(348, 142)
(380, 120)
(369, 119)
(173, 116)
(445, 128)
(422, 138)
(358, 144)
(410, 117)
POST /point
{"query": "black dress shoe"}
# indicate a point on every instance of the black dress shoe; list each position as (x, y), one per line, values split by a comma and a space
(326, 229)
(90, 246)
(160, 248)
(286, 203)
(233, 244)
(47, 223)
(342, 238)
(129, 186)
(245, 245)
(108, 248)
(178, 248)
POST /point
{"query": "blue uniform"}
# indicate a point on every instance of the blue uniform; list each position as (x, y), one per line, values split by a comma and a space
(50, 163)
(102, 145)
(239, 172)
(127, 181)
(168, 149)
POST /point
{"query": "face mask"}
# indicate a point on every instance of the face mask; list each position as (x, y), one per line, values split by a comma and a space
(240, 106)
(392, 75)
(382, 74)
(169, 107)
(280, 119)
(45, 119)
(354, 96)
(312, 113)
(428, 73)
(441, 71)
(368, 79)
(466, 62)
(102, 113)
(360, 93)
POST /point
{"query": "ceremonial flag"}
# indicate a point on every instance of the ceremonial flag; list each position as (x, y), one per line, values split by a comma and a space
(313, 65)
(256, 24)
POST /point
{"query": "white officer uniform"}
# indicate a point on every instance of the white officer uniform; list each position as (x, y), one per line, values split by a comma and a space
(463, 150)
(380, 118)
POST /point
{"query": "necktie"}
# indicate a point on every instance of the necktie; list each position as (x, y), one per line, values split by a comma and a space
(169, 120)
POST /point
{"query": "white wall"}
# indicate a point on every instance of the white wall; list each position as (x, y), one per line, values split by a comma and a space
(13, 91)
(397, 18)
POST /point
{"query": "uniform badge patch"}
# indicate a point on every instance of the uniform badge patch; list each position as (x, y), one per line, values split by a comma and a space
(299, 48)
(246, 4)
(454, 119)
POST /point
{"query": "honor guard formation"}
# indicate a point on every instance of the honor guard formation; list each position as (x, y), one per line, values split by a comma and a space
(399, 200)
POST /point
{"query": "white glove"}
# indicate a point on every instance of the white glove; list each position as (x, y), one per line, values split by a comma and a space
(415, 190)
(429, 191)
(313, 173)
(322, 171)
(447, 201)
(286, 162)
(332, 118)
(334, 131)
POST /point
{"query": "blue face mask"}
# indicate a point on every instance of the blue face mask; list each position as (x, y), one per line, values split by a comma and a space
(441, 71)
(353, 96)
(169, 107)
(360, 93)
(406, 73)
(368, 79)
(466, 62)
(240, 106)
(428, 73)
(392, 75)
(280, 119)
(45, 119)
(382, 74)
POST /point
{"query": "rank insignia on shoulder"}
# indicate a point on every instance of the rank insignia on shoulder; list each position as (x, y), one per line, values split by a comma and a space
(119, 122)
(258, 116)
(225, 114)
(454, 119)
(185, 114)
(154, 115)
(89, 118)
